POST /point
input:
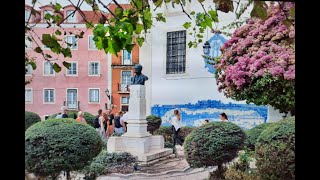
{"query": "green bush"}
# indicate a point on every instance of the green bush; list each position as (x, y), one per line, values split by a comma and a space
(57, 145)
(275, 151)
(106, 163)
(213, 144)
(154, 123)
(253, 134)
(166, 132)
(73, 114)
(30, 118)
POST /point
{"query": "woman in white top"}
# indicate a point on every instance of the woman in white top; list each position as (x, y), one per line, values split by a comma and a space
(223, 117)
(102, 131)
(176, 125)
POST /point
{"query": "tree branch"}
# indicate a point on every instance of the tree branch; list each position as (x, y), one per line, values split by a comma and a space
(184, 10)
(108, 10)
(117, 4)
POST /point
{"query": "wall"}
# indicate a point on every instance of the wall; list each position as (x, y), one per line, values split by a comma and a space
(60, 81)
(195, 92)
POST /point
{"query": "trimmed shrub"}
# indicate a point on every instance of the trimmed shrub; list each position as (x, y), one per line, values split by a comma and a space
(57, 145)
(106, 163)
(154, 123)
(73, 115)
(30, 118)
(166, 132)
(275, 151)
(213, 144)
(253, 134)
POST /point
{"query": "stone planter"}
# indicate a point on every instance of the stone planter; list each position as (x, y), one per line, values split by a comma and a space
(154, 123)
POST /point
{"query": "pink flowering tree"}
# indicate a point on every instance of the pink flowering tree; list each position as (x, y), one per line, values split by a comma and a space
(258, 63)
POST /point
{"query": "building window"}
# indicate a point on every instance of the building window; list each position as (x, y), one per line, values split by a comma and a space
(72, 42)
(28, 95)
(72, 98)
(28, 43)
(29, 69)
(71, 18)
(125, 103)
(126, 57)
(125, 81)
(176, 52)
(48, 70)
(48, 95)
(94, 68)
(73, 69)
(94, 95)
(26, 15)
(92, 44)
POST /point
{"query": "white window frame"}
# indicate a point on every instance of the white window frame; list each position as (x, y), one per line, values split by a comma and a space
(67, 96)
(44, 96)
(123, 58)
(89, 43)
(121, 104)
(73, 16)
(54, 73)
(121, 83)
(77, 65)
(31, 102)
(99, 68)
(26, 17)
(66, 45)
(26, 40)
(90, 102)
(29, 74)
(126, 70)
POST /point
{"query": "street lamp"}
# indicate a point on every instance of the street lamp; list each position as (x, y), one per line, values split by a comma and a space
(206, 48)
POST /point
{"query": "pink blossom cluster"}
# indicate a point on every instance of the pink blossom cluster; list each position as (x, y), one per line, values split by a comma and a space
(257, 48)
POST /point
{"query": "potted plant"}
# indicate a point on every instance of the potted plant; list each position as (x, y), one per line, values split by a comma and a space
(154, 123)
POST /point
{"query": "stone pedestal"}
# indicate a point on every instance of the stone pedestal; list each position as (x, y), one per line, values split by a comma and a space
(137, 141)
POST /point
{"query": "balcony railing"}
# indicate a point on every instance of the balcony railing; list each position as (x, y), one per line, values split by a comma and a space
(71, 105)
(123, 88)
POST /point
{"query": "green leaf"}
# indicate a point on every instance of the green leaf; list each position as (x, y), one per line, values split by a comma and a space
(33, 65)
(259, 10)
(89, 1)
(56, 67)
(187, 25)
(119, 12)
(139, 28)
(160, 17)
(193, 13)
(199, 36)
(201, 1)
(213, 15)
(66, 64)
(158, 3)
(201, 30)
(56, 18)
(140, 41)
(57, 32)
(47, 16)
(57, 7)
(190, 44)
(66, 52)
(208, 21)
(34, 1)
(38, 50)
(89, 25)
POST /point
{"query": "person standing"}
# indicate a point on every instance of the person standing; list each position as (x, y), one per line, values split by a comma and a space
(223, 117)
(124, 120)
(176, 125)
(102, 119)
(110, 124)
(80, 118)
(118, 128)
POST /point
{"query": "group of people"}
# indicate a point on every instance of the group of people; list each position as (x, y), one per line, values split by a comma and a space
(105, 122)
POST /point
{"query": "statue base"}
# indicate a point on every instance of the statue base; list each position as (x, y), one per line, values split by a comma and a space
(137, 141)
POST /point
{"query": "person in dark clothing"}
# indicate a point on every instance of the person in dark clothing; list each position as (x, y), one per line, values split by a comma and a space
(65, 111)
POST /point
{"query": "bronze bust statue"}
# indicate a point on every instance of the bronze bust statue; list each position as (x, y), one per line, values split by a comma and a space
(138, 78)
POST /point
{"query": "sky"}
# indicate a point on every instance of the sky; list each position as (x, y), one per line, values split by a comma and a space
(63, 3)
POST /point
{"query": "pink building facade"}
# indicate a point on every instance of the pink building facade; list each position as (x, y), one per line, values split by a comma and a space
(81, 87)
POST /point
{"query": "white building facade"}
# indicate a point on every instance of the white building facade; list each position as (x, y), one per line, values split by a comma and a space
(180, 78)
